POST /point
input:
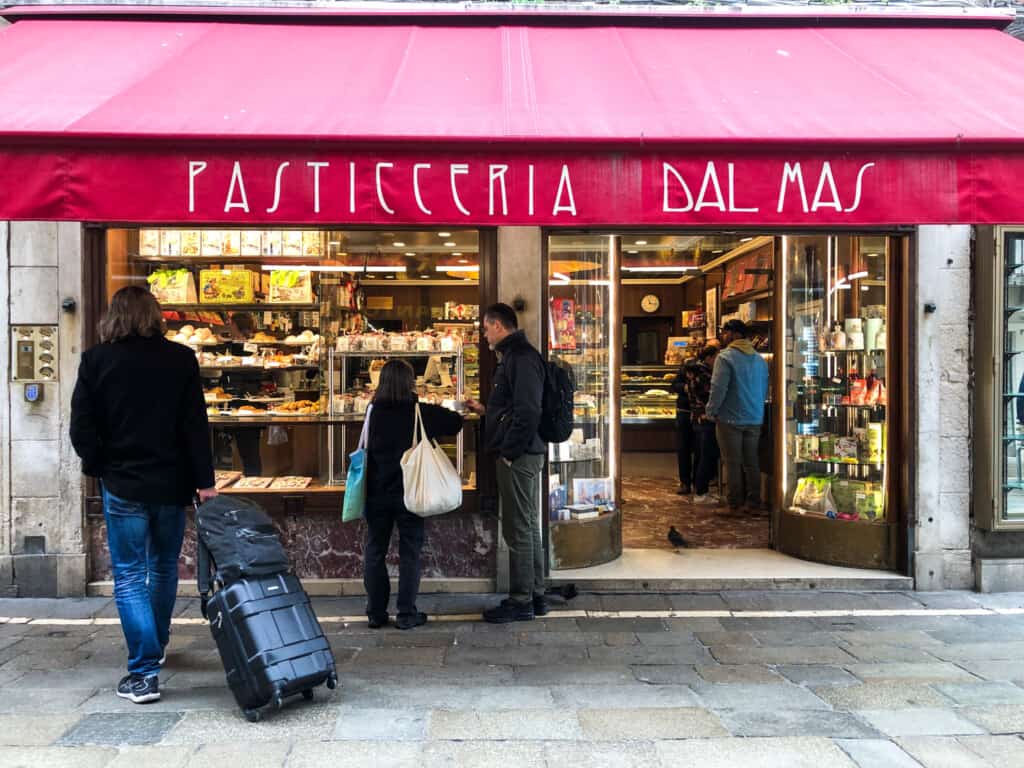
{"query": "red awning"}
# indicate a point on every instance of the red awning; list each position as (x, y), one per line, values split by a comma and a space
(953, 98)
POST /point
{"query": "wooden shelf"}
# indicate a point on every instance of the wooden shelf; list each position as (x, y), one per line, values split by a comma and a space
(240, 307)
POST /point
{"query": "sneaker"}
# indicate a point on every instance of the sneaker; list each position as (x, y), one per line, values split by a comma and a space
(139, 689)
(376, 622)
(411, 620)
(540, 606)
(705, 499)
(509, 610)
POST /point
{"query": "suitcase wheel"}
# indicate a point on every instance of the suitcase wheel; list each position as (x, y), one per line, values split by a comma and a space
(278, 700)
(252, 715)
(308, 694)
(332, 681)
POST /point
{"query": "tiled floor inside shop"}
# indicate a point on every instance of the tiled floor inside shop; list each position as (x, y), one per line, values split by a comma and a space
(651, 506)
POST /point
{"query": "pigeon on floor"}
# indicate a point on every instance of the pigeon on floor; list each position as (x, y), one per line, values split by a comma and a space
(675, 538)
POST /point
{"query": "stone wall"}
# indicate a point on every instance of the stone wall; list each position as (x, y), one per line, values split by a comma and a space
(41, 545)
(943, 475)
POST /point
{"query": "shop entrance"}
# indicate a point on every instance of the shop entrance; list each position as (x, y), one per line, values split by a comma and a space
(813, 308)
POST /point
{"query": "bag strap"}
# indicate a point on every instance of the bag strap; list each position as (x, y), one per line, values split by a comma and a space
(419, 431)
(202, 565)
(364, 436)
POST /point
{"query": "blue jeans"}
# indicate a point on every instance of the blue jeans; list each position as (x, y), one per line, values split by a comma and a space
(145, 542)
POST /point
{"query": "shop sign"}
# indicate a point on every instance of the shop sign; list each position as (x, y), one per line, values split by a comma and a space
(476, 188)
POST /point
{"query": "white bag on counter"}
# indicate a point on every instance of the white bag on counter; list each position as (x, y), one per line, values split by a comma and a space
(432, 486)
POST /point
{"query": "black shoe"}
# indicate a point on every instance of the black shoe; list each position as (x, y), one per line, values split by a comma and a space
(138, 689)
(509, 610)
(675, 538)
(540, 606)
(684, 489)
(411, 620)
(376, 622)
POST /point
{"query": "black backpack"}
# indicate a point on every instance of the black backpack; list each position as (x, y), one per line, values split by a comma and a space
(240, 538)
(556, 417)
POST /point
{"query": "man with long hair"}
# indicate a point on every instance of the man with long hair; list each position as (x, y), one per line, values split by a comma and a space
(138, 422)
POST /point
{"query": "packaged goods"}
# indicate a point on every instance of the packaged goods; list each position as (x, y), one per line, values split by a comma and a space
(291, 286)
(172, 286)
(226, 286)
(847, 448)
(149, 242)
(875, 442)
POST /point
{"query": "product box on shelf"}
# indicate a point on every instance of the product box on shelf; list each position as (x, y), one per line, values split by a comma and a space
(226, 286)
(172, 286)
(291, 286)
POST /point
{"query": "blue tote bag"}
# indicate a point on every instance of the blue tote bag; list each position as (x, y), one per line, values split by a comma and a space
(354, 507)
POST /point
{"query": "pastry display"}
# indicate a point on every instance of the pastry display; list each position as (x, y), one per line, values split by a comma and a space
(253, 482)
(223, 479)
(303, 339)
(194, 337)
(297, 408)
(216, 395)
(250, 410)
(290, 482)
(264, 338)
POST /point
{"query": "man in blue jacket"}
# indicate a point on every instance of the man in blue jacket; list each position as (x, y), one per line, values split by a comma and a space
(739, 388)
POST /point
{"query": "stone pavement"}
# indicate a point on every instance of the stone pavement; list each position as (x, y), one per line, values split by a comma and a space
(794, 679)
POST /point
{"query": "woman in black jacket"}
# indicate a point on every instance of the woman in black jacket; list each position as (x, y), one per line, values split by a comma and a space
(138, 422)
(392, 421)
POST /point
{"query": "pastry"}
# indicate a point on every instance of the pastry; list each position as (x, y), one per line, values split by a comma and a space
(291, 482)
(254, 482)
(223, 479)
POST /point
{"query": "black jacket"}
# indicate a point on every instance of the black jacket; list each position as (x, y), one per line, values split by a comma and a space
(391, 426)
(138, 420)
(514, 407)
(679, 387)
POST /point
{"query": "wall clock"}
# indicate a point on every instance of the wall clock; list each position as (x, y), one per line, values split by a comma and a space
(650, 303)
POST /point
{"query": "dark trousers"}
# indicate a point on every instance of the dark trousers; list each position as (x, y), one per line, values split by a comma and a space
(739, 449)
(686, 448)
(379, 523)
(707, 451)
(518, 487)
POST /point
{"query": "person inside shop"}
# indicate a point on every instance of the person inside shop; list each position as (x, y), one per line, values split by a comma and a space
(686, 440)
(138, 422)
(698, 390)
(739, 388)
(247, 439)
(392, 421)
(511, 424)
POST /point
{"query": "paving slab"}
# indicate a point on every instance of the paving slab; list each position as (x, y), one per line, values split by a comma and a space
(503, 725)
(614, 696)
(486, 754)
(909, 638)
(171, 700)
(108, 729)
(661, 639)
(620, 625)
(573, 674)
(758, 697)
(667, 674)
(514, 656)
(472, 697)
(627, 754)
(796, 722)
(469, 673)
(34, 730)
(637, 654)
(373, 724)
(639, 723)
(734, 654)
(152, 757)
(297, 722)
(814, 675)
(994, 670)
(1001, 651)
(1003, 751)
(1006, 718)
(885, 653)
(737, 673)
(919, 722)
(939, 671)
(942, 752)
(981, 694)
(763, 753)
(782, 637)
(400, 657)
(882, 695)
(33, 701)
(317, 754)
(56, 757)
(875, 753)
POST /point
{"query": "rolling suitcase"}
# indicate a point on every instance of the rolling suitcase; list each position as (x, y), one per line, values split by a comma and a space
(267, 634)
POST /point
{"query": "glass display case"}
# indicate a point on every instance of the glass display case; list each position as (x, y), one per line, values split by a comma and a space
(646, 393)
(584, 517)
(291, 327)
(836, 425)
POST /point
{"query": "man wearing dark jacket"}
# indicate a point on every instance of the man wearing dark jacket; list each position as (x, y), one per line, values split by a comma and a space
(511, 420)
(138, 422)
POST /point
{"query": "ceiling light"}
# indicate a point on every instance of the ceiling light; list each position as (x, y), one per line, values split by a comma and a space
(720, 250)
(424, 277)
(444, 234)
(389, 277)
(398, 244)
(462, 261)
(457, 253)
(632, 253)
(746, 239)
(865, 287)
(409, 253)
(561, 277)
(858, 275)
(659, 269)
(641, 242)
(457, 268)
(385, 269)
(451, 244)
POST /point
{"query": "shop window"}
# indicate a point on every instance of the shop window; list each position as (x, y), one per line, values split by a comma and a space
(835, 306)
(585, 521)
(1011, 465)
(291, 327)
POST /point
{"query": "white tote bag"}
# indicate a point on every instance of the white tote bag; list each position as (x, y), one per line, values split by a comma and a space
(432, 486)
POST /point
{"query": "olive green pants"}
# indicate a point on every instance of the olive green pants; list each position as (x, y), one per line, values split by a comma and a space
(518, 489)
